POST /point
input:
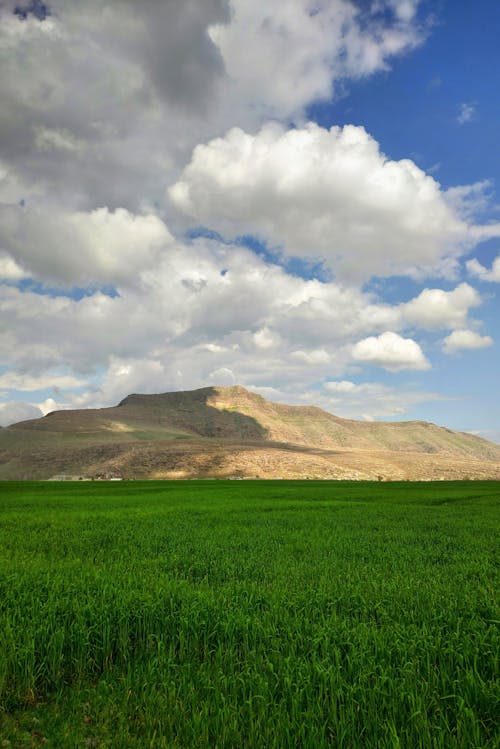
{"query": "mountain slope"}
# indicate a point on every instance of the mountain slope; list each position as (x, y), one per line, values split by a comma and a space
(217, 432)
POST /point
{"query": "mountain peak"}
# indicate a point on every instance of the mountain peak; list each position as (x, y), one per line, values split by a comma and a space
(200, 394)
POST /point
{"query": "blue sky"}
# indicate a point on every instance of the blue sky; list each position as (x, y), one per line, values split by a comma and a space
(304, 203)
(413, 111)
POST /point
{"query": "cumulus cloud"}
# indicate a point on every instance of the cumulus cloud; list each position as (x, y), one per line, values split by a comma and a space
(435, 308)
(188, 298)
(173, 76)
(95, 124)
(178, 327)
(390, 351)
(300, 51)
(320, 193)
(84, 108)
(207, 307)
(465, 339)
(80, 247)
(475, 268)
(127, 375)
(315, 356)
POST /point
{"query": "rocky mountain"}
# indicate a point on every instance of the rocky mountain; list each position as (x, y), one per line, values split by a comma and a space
(229, 432)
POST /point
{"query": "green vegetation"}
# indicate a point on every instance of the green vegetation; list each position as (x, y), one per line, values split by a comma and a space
(249, 614)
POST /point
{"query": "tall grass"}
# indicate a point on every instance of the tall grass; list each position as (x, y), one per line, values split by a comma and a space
(249, 614)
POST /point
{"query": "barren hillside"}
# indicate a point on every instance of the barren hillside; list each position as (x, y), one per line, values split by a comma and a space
(231, 432)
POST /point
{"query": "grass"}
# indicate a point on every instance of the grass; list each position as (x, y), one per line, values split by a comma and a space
(249, 614)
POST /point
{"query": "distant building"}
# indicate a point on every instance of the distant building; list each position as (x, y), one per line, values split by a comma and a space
(68, 477)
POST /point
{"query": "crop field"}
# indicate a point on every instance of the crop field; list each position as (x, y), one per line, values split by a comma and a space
(249, 614)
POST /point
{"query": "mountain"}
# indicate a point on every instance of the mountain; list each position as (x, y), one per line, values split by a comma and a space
(229, 432)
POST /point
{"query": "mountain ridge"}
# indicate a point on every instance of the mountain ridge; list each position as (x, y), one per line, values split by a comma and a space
(232, 432)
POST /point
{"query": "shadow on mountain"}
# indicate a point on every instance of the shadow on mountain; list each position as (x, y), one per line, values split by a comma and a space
(229, 432)
(190, 412)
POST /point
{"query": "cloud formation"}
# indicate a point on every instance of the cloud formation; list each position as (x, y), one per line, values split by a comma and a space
(466, 112)
(96, 125)
(436, 308)
(81, 247)
(282, 56)
(14, 411)
(20, 381)
(91, 92)
(476, 269)
(205, 309)
(390, 351)
(328, 194)
(465, 339)
(372, 400)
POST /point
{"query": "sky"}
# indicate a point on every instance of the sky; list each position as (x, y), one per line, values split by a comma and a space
(300, 197)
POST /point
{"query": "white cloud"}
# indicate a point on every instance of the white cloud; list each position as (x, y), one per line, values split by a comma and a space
(14, 411)
(93, 117)
(467, 112)
(470, 200)
(342, 386)
(266, 338)
(316, 356)
(282, 56)
(371, 400)
(465, 339)
(327, 194)
(435, 308)
(95, 124)
(9, 269)
(184, 320)
(364, 400)
(390, 351)
(475, 268)
(81, 247)
(132, 375)
(49, 404)
(186, 299)
(72, 84)
(207, 307)
(222, 377)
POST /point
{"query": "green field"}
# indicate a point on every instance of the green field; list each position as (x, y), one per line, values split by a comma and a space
(249, 614)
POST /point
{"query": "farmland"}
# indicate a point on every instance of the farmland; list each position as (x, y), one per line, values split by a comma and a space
(249, 613)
